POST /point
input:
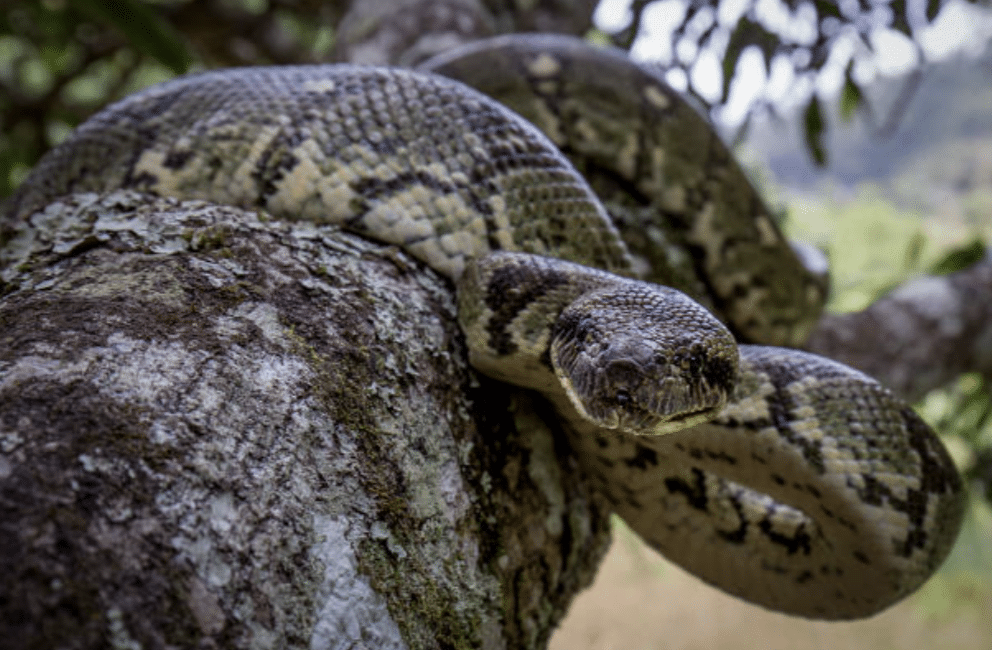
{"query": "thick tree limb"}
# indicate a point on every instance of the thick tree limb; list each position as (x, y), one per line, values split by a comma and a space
(919, 337)
(221, 432)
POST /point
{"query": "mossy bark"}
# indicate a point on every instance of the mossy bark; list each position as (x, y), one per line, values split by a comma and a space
(218, 431)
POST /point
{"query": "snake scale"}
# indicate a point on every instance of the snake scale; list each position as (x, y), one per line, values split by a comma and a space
(783, 478)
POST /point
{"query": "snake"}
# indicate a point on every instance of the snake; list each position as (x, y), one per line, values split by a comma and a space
(781, 477)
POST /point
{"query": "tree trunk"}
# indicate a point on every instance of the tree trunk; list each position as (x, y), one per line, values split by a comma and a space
(222, 432)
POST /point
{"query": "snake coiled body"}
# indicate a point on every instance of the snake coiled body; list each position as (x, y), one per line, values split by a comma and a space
(783, 478)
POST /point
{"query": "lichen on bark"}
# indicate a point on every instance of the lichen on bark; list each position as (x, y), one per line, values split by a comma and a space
(223, 431)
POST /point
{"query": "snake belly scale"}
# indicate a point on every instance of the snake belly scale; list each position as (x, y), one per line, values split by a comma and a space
(783, 478)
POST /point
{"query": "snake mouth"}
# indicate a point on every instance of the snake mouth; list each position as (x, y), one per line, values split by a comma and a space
(694, 414)
(640, 421)
(656, 426)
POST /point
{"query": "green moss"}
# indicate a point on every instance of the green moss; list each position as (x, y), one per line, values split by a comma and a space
(426, 611)
(211, 238)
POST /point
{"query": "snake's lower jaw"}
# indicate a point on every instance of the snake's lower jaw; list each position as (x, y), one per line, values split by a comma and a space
(642, 422)
(638, 410)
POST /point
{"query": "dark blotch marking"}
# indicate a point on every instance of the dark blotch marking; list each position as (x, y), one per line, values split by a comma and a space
(800, 542)
(275, 162)
(780, 407)
(177, 159)
(694, 493)
(644, 459)
(510, 291)
(719, 372)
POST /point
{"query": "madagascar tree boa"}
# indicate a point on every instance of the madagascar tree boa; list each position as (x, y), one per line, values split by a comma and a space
(781, 477)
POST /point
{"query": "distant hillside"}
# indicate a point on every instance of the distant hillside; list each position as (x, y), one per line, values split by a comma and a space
(944, 136)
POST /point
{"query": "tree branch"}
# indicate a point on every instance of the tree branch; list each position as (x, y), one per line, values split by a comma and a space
(920, 336)
(221, 432)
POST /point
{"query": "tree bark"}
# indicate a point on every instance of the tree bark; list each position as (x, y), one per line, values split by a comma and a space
(920, 336)
(406, 32)
(222, 432)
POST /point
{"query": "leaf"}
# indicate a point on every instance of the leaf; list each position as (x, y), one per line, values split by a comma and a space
(826, 8)
(813, 120)
(900, 19)
(850, 97)
(960, 258)
(143, 28)
(745, 34)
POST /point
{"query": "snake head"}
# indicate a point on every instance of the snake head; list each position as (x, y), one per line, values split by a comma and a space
(643, 359)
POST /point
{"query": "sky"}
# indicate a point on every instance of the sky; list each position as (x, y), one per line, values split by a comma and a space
(961, 29)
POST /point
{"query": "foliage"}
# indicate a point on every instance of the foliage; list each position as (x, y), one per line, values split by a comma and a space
(806, 37)
(60, 60)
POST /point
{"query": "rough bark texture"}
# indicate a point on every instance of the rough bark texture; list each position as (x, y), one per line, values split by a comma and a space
(222, 432)
(919, 337)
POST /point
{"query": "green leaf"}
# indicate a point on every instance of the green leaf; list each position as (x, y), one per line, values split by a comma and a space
(826, 8)
(745, 34)
(146, 31)
(850, 97)
(900, 19)
(960, 258)
(813, 120)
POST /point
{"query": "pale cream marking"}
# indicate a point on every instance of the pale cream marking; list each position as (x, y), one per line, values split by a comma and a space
(152, 162)
(549, 123)
(546, 87)
(430, 252)
(501, 220)
(753, 407)
(544, 65)
(336, 197)
(674, 197)
(298, 187)
(459, 243)
(706, 233)
(656, 97)
(767, 233)
(319, 85)
(242, 188)
(458, 177)
(626, 158)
